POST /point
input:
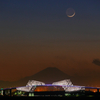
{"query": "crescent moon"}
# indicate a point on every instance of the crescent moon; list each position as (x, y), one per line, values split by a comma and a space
(71, 15)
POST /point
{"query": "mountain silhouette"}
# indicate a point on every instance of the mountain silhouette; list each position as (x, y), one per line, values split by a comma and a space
(48, 76)
(5, 84)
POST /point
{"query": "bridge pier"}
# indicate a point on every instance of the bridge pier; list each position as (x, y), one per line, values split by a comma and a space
(10, 92)
(4, 92)
(97, 90)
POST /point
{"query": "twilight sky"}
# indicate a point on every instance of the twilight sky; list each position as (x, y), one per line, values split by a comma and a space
(36, 34)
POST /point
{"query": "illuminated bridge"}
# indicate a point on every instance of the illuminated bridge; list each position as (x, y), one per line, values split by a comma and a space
(65, 84)
(56, 88)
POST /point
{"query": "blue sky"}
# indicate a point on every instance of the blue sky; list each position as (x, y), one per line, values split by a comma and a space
(33, 33)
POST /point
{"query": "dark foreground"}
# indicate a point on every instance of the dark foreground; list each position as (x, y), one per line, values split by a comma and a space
(54, 95)
(47, 98)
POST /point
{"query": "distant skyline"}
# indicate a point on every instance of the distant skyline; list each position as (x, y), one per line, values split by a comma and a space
(36, 34)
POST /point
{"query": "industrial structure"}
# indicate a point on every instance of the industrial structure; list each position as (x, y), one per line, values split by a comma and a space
(65, 84)
(60, 89)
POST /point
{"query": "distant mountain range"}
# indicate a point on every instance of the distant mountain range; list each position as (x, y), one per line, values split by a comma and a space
(48, 75)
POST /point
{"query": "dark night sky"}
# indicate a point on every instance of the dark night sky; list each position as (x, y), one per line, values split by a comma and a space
(36, 34)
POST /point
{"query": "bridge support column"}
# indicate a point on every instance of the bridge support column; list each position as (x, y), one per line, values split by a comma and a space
(4, 92)
(97, 90)
(10, 92)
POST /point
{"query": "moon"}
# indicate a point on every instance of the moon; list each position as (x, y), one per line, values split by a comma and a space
(70, 12)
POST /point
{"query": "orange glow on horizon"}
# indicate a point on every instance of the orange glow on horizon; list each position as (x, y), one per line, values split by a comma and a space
(46, 88)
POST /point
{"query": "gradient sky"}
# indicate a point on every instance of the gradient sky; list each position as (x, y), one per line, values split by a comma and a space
(36, 34)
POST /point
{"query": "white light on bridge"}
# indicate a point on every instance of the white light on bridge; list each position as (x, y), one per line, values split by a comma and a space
(66, 85)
